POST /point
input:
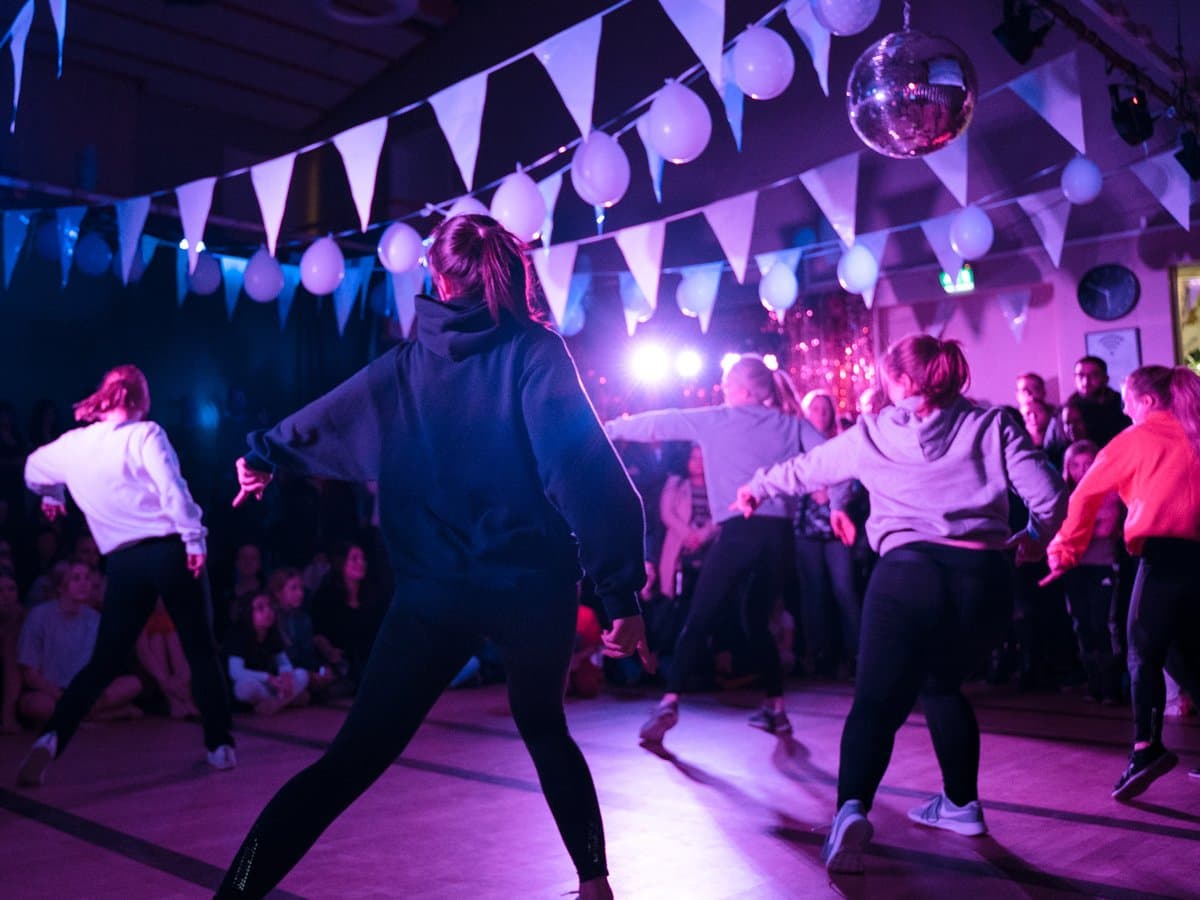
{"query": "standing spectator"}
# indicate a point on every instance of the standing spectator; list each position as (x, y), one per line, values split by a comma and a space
(1038, 418)
(1031, 388)
(1101, 405)
(688, 526)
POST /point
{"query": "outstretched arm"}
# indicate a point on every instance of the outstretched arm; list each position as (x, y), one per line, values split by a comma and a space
(831, 463)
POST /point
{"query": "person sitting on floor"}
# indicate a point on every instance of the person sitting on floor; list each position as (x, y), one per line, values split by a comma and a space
(259, 667)
(161, 655)
(11, 616)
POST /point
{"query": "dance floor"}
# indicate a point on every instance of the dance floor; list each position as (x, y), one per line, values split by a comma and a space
(725, 812)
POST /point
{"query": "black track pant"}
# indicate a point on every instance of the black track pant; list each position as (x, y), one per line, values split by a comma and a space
(429, 633)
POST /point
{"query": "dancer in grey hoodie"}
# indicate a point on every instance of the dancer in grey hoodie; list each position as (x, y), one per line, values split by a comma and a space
(938, 469)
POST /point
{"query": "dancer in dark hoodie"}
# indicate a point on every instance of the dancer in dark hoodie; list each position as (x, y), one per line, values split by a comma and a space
(938, 470)
(495, 482)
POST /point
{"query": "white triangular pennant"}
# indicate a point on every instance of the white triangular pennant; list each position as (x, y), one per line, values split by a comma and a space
(1166, 179)
(271, 180)
(17, 33)
(403, 287)
(1014, 306)
(1052, 91)
(702, 24)
(732, 221)
(570, 60)
(549, 188)
(233, 275)
(58, 12)
(360, 147)
(459, 111)
(195, 200)
(16, 226)
(937, 232)
(789, 258)
(815, 37)
(347, 292)
(932, 318)
(291, 280)
(705, 282)
(834, 187)
(1048, 211)
(555, 266)
(638, 308)
(734, 101)
(653, 159)
(67, 219)
(131, 219)
(950, 166)
(181, 276)
(146, 247)
(642, 247)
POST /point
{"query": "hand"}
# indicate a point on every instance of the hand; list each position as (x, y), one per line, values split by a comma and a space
(284, 683)
(1058, 568)
(746, 502)
(195, 564)
(819, 497)
(843, 526)
(251, 482)
(626, 637)
(52, 509)
(1028, 550)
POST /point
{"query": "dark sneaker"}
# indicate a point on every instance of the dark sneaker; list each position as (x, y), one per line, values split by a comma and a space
(848, 839)
(1144, 766)
(664, 718)
(33, 770)
(776, 723)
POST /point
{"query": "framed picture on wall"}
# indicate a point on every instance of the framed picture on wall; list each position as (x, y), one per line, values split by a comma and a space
(1185, 314)
(1119, 348)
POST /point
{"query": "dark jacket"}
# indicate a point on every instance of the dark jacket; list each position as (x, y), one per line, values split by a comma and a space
(491, 464)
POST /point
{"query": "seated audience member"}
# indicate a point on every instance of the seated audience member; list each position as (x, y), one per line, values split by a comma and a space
(1091, 587)
(56, 641)
(85, 551)
(11, 616)
(259, 668)
(347, 613)
(286, 589)
(47, 569)
(586, 673)
(161, 655)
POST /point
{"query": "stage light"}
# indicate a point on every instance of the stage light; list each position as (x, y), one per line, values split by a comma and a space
(1131, 113)
(689, 363)
(1189, 156)
(728, 360)
(650, 363)
(771, 361)
(1016, 33)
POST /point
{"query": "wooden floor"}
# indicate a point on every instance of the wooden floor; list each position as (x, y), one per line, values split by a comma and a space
(728, 812)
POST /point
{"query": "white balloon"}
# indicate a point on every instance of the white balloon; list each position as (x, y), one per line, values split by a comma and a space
(263, 278)
(519, 206)
(322, 267)
(1081, 181)
(693, 296)
(207, 276)
(779, 288)
(763, 63)
(468, 206)
(600, 170)
(845, 17)
(858, 269)
(93, 256)
(400, 247)
(971, 233)
(679, 124)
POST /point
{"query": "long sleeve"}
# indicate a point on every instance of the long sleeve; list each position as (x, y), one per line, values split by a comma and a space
(657, 425)
(829, 464)
(46, 469)
(239, 672)
(841, 493)
(162, 465)
(1036, 482)
(338, 435)
(582, 476)
(282, 663)
(1107, 474)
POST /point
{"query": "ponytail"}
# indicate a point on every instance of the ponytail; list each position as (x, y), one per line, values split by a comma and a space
(787, 395)
(475, 254)
(124, 387)
(938, 369)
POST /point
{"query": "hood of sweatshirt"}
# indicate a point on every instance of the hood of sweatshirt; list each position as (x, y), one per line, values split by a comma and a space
(460, 327)
(902, 436)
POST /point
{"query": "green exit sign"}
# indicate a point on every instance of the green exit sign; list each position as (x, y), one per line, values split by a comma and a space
(961, 283)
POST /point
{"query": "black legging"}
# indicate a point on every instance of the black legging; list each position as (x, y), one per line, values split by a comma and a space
(748, 559)
(1091, 593)
(136, 577)
(1164, 618)
(931, 616)
(428, 634)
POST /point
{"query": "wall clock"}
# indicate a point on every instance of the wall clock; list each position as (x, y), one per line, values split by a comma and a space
(1108, 292)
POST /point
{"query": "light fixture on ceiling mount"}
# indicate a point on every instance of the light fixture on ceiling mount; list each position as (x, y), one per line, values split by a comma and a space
(1131, 113)
(1017, 34)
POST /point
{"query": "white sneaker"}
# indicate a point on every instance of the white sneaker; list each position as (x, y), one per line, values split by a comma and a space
(223, 757)
(848, 839)
(939, 812)
(33, 770)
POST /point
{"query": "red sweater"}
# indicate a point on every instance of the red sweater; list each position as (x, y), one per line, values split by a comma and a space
(1155, 470)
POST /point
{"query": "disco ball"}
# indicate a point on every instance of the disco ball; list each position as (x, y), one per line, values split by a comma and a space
(911, 94)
